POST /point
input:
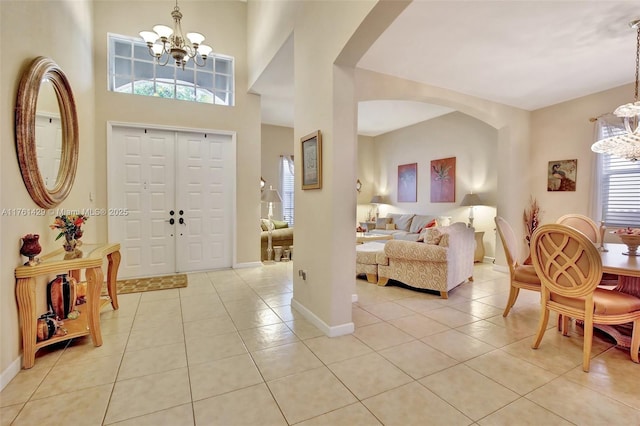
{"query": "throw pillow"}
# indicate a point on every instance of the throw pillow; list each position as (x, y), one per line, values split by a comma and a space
(390, 226)
(279, 224)
(428, 225)
(432, 236)
(381, 223)
(264, 224)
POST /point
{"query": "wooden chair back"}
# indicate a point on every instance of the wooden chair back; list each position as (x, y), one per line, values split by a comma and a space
(509, 242)
(583, 224)
(566, 261)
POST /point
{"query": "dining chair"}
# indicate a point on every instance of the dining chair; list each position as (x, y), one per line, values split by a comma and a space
(522, 276)
(589, 228)
(570, 269)
(583, 224)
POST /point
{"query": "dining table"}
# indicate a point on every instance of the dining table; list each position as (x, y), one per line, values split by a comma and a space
(615, 260)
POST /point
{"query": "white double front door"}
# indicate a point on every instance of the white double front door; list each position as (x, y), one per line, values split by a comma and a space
(170, 198)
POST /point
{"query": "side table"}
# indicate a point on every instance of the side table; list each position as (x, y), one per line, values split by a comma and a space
(55, 263)
(478, 255)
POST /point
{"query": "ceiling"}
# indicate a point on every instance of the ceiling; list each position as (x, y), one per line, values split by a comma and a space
(526, 54)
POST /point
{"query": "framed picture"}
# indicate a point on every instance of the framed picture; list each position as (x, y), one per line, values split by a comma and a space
(561, 175)
(408, 183)
(312, 161)
(443, 180)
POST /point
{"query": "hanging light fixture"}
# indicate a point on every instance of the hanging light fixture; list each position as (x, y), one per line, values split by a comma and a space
(174, 44)
(627, 144)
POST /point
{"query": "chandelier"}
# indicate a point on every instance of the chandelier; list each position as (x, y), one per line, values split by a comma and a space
(627, 144)
(174, 44)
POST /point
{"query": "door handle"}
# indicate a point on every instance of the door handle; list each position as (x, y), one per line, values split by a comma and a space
(171, 221)
(181, 221)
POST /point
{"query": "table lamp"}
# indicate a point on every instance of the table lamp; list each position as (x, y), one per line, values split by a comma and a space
(471, 200)
(270, 196)
(376, 199)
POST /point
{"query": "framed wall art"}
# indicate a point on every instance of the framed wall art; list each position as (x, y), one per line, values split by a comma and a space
(312, 160)
(443, 180)
(408, 183)
(561, 175)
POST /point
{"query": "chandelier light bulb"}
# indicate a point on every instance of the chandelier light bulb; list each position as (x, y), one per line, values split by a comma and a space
(195, 38)
(163, 31)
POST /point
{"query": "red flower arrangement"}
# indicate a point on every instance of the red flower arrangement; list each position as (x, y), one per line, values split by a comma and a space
(69, 225)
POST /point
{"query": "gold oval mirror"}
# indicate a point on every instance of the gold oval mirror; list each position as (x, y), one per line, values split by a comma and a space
(46, 132)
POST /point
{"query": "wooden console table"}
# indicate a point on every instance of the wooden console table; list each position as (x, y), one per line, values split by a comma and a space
(55, 263)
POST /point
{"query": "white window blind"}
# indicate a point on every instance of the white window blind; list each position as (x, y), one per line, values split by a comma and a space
(619, 185)
(287, 189)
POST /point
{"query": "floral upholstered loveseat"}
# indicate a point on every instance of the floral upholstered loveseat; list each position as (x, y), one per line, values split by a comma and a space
(443, 261)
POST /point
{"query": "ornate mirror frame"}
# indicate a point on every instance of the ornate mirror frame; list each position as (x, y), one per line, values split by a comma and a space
(39, 69)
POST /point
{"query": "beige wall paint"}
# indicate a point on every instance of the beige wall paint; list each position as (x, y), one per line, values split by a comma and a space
(227, 35)
(473, 143)
(324, 100)
(276, 141)
(564, 132)
(62, 31)
(269, 24)
(511, 124)
(368, 174)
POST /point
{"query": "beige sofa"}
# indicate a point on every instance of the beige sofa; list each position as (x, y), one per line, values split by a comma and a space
(279, 237)
(406, 226)
(438, 264)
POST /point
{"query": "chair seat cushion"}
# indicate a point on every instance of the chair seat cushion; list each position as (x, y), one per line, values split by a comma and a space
(526, 274)
(606, 302)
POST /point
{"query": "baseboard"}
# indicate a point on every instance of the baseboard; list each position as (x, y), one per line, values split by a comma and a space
(247, 265)
(11, 372)
(335, 331)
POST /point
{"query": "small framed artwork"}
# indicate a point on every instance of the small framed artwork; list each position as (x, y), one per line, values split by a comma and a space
(443, 180)
(561, 175)
(408, 183)
(312, 160)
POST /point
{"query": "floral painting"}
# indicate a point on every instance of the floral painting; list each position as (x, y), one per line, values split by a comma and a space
(443, 180)
(562, 175)
(408, 183)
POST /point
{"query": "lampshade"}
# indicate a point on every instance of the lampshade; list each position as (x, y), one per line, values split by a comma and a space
(376, 199)
(271, 196)
(471, 200)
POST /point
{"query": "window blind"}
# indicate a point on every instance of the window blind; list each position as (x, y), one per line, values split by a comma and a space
(620, 186)
(286, 184)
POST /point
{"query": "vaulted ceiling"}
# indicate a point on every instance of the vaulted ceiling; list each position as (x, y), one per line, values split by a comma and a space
(526, 54)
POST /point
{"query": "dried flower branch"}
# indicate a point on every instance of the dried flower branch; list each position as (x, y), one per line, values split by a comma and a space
(531, 218)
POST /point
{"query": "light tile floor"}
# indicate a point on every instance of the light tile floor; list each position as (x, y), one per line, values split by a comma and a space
(229, 350)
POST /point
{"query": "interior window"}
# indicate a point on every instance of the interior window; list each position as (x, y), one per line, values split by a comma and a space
(619, 189)
(133, 70)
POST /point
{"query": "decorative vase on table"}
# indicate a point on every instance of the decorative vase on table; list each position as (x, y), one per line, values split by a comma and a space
(62, 295)
(31, 248)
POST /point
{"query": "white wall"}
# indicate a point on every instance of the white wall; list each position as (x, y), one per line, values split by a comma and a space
(473, 143)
